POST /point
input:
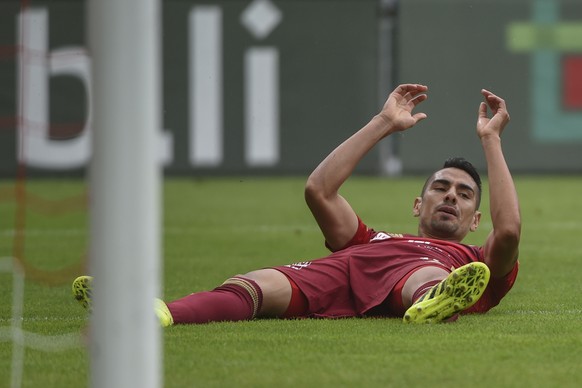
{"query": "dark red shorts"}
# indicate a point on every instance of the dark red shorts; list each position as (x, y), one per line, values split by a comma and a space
(357, 280)
(325, 284)
(334, 288)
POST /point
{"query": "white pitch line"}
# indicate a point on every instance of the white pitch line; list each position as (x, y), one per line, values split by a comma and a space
(265, 228)
(544, 312)
(169, 230)
(46, 343)
(45, 232)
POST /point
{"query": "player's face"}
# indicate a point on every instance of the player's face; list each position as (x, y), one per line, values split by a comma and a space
(448, 208)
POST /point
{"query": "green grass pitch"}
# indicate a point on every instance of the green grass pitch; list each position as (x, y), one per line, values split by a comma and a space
(215, 228)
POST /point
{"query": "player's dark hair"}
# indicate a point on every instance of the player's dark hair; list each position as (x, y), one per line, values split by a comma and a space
(461, 164)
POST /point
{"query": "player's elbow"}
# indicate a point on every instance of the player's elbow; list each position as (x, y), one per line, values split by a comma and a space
(313, 190)
(507, 226)
(509, 234)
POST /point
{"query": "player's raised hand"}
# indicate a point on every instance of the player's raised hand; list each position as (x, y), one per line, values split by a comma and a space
(494, 125)
(397, 110)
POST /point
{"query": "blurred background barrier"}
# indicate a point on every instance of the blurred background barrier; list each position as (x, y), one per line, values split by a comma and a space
(270, 87)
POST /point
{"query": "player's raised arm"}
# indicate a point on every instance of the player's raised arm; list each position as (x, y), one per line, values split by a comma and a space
(334, 215)
(501, 247)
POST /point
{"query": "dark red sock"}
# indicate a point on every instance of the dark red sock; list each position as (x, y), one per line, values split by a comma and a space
(423, 289)
(237, 299)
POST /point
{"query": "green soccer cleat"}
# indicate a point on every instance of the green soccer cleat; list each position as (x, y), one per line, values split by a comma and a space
(457, 292)
(82, 288)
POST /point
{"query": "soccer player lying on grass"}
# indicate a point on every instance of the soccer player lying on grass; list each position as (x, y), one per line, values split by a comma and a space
(430, 277)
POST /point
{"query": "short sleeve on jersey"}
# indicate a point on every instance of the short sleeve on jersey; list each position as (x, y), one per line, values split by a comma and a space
(363, 236)
(501, 286)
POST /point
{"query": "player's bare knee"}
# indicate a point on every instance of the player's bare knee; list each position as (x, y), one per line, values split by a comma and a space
(276, 291)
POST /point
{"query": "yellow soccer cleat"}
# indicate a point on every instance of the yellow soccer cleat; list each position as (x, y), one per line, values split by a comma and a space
(460, 290)
(82, 291)
(82, 288)
(163, 313)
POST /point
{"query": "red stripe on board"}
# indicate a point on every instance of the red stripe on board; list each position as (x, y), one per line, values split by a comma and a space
(572, 81)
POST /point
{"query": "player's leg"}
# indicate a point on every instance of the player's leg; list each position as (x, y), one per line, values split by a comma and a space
(83, 288)
(440, 301)
(276, 290)
(264, 293)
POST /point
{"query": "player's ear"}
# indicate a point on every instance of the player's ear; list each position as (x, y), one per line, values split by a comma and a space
(476, 221)
(416, 206)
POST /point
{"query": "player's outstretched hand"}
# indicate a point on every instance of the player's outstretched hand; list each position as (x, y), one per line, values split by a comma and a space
(492, 126)
(397, 110)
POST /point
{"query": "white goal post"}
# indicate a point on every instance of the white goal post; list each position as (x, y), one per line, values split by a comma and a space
(125, 186)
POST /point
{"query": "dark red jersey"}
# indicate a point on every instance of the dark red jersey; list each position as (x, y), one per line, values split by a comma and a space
(360, 276)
